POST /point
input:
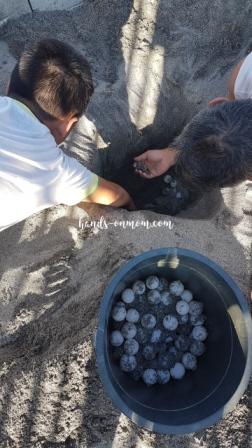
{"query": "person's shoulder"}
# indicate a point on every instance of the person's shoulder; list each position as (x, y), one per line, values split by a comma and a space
(243, 81)
(5, 102)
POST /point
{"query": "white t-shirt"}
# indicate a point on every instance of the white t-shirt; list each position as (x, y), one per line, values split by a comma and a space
(243, 83)
(34, 172)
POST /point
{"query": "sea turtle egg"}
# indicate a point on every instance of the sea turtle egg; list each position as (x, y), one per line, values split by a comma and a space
(163, 376)
(197, 320)
(128, 295)
(177, 372)
(189, 361)
(152, 282)
(131, 347)
(182, 343)
(166, 298)
(179, 195)
(116, 338)
(175, 352)
(128, 363)
(149, 352)
(167, 178)
(119, 313)
(154, 297)
(182, 307)
(170, 322)
(186, 295)
(197, 348)
(173, 183)
(195, 308)
(199, 333)
(166, 360)
(166, 191)
(156, 336)
(150, 377)
(129, 330)
(142, 335)
(148, 321)
(184, 319)
(139, 287)
(176, 288)
(163, 284)
(132, 315)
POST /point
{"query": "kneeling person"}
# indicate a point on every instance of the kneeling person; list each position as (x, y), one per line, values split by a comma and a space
(49, 90)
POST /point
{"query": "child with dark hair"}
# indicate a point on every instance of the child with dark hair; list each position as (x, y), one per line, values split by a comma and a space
(49, 90)
(215, 148)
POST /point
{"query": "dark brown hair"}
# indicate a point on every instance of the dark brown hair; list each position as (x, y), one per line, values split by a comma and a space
(54, 77)
(215, 148)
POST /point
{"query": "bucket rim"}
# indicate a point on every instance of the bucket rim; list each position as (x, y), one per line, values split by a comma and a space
(101, 334)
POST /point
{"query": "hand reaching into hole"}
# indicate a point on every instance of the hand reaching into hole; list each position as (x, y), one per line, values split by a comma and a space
(155, 162)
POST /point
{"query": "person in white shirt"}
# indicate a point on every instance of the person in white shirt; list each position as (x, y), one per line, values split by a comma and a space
(215, 148)
(49, 90)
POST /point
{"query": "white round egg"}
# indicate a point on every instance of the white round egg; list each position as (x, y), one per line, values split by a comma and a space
(176, 288)
(152, 282)
(154, 297)
(173, 183)
(197, 348)
(163, 376)
(199, 333)
(166, 298)
(116, 338)
(139, 287)
(129, 330)
(178, 371)
(167, 179)
(132, 315)
(131, 347)
(148, 321)
(150, 377)
(186, 295)
(170, 322)
(190, 361)
(182, 307)
(163, 284)
(118, 313)
(128, 363)
(128, 295)
(195, 308)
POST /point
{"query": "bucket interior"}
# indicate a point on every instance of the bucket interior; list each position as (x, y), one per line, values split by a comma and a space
(204, 391)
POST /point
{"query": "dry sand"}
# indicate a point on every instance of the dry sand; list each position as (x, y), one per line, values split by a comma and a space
(52, 275)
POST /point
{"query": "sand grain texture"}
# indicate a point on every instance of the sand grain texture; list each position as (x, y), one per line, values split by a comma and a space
(155, 64)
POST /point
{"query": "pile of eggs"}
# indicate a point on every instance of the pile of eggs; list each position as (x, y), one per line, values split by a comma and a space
(158, 330)
(171, 186)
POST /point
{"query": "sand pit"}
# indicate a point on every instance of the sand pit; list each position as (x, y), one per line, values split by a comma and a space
(155, 64)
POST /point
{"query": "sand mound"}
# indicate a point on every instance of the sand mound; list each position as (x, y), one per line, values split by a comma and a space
(155, 64)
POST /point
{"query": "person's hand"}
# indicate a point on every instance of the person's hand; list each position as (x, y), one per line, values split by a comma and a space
(157, 161)
(218, 100)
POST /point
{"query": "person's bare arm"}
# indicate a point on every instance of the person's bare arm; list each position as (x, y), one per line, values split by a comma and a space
(110, 193)
(231, 87)
(157, 161)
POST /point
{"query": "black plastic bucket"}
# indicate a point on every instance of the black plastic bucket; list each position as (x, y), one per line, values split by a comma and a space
(204, 396)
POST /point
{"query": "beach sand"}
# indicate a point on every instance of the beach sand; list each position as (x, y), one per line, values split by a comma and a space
(155, 65)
